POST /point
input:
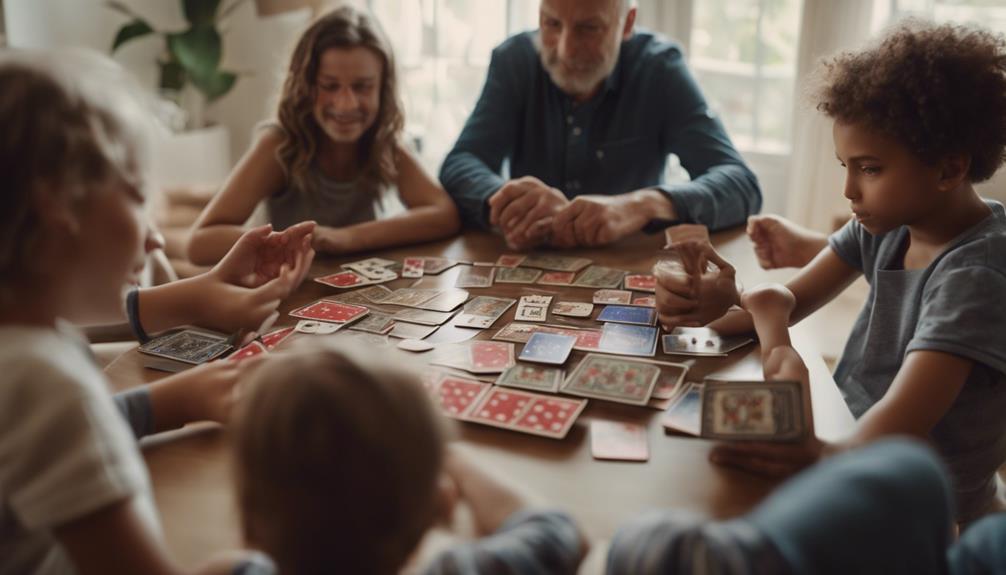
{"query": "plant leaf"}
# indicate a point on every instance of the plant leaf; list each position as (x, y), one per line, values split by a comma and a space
(135, 29)
(198, 50)
(200, 12)
(172, 76)
(215, 85)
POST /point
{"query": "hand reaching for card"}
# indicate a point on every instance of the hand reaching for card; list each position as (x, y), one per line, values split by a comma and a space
(695, 295)
(260, 253)
(203, 393)
(780, 243)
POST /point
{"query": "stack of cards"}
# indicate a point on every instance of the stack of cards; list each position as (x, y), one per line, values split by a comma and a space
(640, 282)
(188, 346)
(533, 308)
(534, 377)
(330, 311)
(685, 232)
(483, 311)
(548, 348)
(754, 410)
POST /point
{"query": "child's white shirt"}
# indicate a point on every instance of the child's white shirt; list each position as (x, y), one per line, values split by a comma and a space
(65, 450)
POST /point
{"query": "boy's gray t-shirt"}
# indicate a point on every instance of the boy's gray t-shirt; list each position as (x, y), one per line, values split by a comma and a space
(955, 305)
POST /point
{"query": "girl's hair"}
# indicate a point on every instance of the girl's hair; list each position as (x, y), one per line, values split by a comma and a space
(339, 451)
(71, 121)
(937, 89)
(343, 28)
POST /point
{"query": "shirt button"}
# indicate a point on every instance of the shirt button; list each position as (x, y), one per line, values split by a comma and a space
(577, 131)
(600, 154)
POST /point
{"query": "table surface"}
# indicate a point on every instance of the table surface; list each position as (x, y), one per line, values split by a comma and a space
(190, 472)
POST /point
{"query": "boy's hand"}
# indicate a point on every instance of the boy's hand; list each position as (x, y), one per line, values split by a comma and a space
(204, 393)
(775, 460)
(260, 254)
(780, 243)
(698, 296)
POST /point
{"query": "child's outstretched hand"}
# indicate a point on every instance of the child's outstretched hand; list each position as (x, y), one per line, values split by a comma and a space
(260, 253)
(780, 243)
(204, 393)
(699, 295)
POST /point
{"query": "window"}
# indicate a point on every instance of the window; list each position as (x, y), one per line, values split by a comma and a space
(443, 49)
(988, 13)
(744, 54)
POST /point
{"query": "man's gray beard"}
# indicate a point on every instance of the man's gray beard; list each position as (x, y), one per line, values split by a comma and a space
(576, 86)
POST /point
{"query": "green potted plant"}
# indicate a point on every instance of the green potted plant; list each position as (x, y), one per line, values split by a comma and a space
(190, 57)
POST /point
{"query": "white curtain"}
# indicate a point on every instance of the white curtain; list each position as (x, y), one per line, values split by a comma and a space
(816, 180)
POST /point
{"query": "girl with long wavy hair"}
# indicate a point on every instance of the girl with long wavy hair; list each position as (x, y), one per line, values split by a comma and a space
(334, 155)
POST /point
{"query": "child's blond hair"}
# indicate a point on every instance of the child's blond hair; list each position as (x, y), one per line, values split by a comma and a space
(71, 120)
(338, 457)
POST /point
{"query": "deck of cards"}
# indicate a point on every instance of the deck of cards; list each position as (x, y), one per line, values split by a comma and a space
(754, 410)
(188, 346)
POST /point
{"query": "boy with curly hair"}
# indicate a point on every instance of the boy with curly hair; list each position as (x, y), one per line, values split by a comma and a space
(918, 119)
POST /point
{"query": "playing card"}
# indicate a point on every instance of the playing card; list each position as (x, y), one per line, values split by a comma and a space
(517, 275)
(587, 339)
(447, 301)
(410, 297)
(422, 316)
(619, 441)
(535, 377)
(669, 381)
(640, 282)
(404, 330)
(475, 277)
(755, 410)
(645, 301)
(612, 296)
(628, 339)
(371, 262)
(573, 308)
(364, 296)
(455, 395)
(490, 356)
(599, 277)
(516, 332)
(613, 379)
(685, 232)
(701, 341)
(413, 267)
(434, 266)
(330, 311)
(252, 349)
(343, 280)
(533, 308)
(528, 412)
(555, 263)
(372, 268)
(317, 327)
(510, 260)
(628, 314)
(482, 311)
(275, 337)
(188, 346)
(548, 348)
(685, 412)
(375, 322)
(415, 345)
(557, 278)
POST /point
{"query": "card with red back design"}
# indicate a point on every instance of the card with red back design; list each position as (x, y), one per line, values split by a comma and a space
(619, 441)
(510, 260)
(413, 267)
(330, 311)
(557, 278)
(640, 282)
(344, 279)
(275, 337)
(251, 350)
(456, 395)
(550, 416)
(490, 356)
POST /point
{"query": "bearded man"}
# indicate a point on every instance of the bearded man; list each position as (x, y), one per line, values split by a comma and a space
(568, 143)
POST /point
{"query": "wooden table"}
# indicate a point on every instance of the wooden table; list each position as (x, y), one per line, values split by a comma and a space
(189, 467)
